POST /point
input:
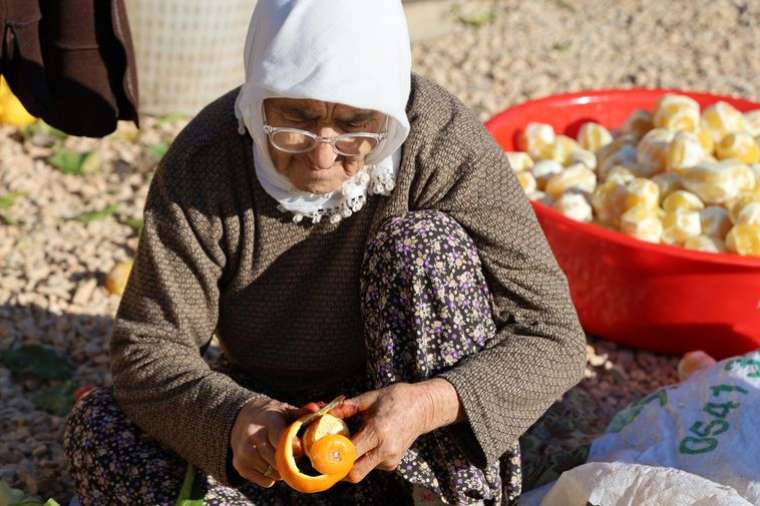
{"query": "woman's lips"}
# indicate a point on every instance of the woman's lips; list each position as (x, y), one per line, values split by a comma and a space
(319, 172)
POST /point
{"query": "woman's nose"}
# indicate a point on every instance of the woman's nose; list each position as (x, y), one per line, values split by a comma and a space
(324, 154)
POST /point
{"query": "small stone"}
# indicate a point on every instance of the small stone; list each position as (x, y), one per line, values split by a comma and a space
(84, 292)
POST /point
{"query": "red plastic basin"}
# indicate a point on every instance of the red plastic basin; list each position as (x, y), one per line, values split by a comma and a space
(651, 296)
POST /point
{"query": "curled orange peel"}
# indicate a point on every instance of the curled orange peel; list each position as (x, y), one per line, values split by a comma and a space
(333, 453)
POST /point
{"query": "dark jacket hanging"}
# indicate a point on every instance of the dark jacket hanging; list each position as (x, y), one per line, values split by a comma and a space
(70, 62)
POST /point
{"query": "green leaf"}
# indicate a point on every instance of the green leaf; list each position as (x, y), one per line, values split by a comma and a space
(190, 494)
(67, 161)
(41, 361)
(56, 400)
(135, 224)
(29, 501)
(91, 162)
(565, 4)
(7, 220)
(478, 19)
(7, 200)
(51, 502)
(171, 118)
(91, 216)
(9, 495)
(40, 128)
(158, 150)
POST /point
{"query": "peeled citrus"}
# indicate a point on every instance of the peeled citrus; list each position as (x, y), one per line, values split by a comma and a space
(321, 427)
(332, 454)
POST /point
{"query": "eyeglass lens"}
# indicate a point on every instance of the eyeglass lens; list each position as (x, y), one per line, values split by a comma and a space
(298, 142)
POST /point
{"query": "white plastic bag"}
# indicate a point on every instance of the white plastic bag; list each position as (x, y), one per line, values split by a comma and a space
(708, 425)
(621, 484)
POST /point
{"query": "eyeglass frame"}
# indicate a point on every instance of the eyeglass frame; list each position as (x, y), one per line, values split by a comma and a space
(318, 139)
(271, 131)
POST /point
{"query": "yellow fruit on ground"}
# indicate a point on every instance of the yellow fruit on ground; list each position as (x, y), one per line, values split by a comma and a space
(116, 280)
(12, 112)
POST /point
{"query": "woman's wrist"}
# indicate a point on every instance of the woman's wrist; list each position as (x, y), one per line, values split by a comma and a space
(440, 404)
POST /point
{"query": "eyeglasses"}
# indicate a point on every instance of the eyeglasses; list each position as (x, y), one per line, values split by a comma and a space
(295, 140)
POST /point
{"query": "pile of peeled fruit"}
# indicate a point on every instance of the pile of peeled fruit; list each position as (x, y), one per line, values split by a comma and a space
(677, 175)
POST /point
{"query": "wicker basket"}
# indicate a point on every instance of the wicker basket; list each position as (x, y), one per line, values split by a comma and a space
(188, 52)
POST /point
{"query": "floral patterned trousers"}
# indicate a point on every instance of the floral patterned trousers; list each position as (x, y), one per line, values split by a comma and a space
(426, 306)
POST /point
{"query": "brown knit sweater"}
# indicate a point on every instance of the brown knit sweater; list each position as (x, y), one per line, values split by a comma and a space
(215, 255)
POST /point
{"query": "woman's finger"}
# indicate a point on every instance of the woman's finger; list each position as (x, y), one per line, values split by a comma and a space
(366, 439)
(364, 466)
(251, 466)
(307, 408)
(266, 453)
(355, 405)
(256, 477)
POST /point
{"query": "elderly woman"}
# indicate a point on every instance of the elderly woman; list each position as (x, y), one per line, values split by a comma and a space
(344, 227)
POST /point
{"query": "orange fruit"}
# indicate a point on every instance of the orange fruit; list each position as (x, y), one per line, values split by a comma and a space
(332, 454)
(324, 425)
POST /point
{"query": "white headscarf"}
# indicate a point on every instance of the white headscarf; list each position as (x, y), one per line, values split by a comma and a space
(353, 52)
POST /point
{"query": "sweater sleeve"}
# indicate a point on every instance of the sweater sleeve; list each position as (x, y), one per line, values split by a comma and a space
(169, 310)
(539, 348)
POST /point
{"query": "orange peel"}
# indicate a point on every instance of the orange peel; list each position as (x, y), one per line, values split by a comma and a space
(332, 454)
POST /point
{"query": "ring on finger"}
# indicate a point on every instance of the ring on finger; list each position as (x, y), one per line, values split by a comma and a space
(269, 472)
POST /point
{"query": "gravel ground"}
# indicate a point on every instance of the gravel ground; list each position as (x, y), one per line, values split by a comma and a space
(54, 258)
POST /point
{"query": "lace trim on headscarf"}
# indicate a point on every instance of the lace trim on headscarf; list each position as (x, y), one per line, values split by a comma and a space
(370, 180)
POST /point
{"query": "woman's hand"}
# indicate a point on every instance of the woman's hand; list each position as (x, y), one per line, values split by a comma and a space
(255, 435)
(394, 417)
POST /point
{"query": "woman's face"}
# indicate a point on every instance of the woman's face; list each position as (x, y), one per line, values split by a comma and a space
(320, 170)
